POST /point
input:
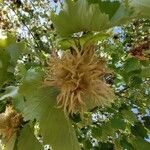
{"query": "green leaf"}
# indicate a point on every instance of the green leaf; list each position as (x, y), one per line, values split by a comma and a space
(126, 145)
(10, 52)
(142, 7)
(19, 103)
(118, 122)
(145, 72)
(91, 15)
(106, 146)
(11, 143)
(4, 66)
(122, 15)
(118, 12)
(117, 146)
(21, 70)
(87, 144)
(139, 130)
(135, 81)
(17, 99)
(146, 121)
(27, 140)
(107, 7)
(121, 12)
(12, 48)
(89, 37)
(10, 91)
(139, 143)
(107, 130)
(130, 116)
(131, 71)
(54, 127)
(41, 104)
(96, 132)
(80, 16)
(131, 64)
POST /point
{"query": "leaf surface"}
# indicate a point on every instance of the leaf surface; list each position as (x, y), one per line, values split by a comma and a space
(27, 140)
(55, 127)
(80, 16)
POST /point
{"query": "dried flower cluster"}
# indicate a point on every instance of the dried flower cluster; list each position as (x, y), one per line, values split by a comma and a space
(10, 121)
(77, 75)
(138, 51)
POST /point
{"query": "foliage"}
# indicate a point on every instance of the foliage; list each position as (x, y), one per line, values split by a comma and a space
(34, 33)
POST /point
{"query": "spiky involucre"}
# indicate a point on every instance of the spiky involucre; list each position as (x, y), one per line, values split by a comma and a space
(77, 76)
(10, 121)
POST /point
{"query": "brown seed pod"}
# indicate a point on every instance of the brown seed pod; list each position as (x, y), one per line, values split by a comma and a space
(78, 77)
(10, 121)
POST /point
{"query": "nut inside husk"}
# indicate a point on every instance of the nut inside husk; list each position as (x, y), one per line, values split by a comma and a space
(78, 76)
(10, 122)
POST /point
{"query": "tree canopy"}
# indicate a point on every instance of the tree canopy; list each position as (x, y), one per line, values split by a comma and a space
(75, 74)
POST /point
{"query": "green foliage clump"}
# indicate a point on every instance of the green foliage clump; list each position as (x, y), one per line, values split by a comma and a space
(33, 34)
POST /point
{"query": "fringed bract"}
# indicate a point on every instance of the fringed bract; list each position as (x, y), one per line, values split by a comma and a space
(10, 121)
(77, 75)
